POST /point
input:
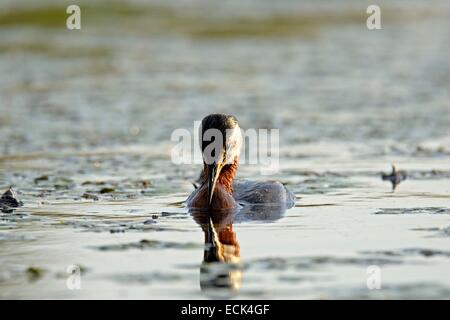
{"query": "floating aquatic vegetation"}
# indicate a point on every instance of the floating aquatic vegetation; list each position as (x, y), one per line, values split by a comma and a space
(438, 231)
(9, 198)
(322, 185)
(107, 190)
(41, 178)
(89, 196)
(15, 237)
(315, 262)
(428, 174)
(120, 189)
(145, 278)
(436, 151)
(421, 210)
(34, 273)
(11, 219)
(171, 214)
(416, 290)
(116, 226)
(410, 252)
(149, 244)
(95, 183)
(302, 278)
(5, 209)
(9, 201)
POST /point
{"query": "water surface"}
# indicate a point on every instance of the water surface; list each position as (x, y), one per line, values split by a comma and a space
(85, 124)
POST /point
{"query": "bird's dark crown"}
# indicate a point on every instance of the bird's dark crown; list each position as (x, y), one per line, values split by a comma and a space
(219, 121)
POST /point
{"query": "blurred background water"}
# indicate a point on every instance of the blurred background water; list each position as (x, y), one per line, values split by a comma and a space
(85, 123)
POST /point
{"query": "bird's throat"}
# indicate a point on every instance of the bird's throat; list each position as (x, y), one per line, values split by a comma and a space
(226, 176)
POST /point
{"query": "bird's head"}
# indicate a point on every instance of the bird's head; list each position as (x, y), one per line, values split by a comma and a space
(220, 140)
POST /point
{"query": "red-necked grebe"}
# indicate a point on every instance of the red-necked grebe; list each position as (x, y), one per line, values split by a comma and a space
(217, 188)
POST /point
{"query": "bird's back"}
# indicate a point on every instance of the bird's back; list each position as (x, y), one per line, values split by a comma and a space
(262, 193)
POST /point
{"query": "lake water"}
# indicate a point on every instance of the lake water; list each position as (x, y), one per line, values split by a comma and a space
(85, 124)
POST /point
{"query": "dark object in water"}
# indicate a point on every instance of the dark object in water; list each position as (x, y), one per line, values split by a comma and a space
(107, 190)
(89, 196)
(34, 273)
(41, 178)
(395, 177)
(9, 200)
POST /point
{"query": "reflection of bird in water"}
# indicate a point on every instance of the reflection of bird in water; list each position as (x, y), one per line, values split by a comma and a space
(220, 272)
(395, 177)
(217, 188)
(220, 200)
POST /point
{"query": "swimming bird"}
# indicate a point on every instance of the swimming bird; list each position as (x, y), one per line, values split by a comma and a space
(395, 177)
(221, 141)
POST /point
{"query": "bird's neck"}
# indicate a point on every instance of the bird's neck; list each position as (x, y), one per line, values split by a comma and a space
(226, 175)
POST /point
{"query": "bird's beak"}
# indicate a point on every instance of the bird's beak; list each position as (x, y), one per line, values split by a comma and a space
(213, 174)
(211, 243)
